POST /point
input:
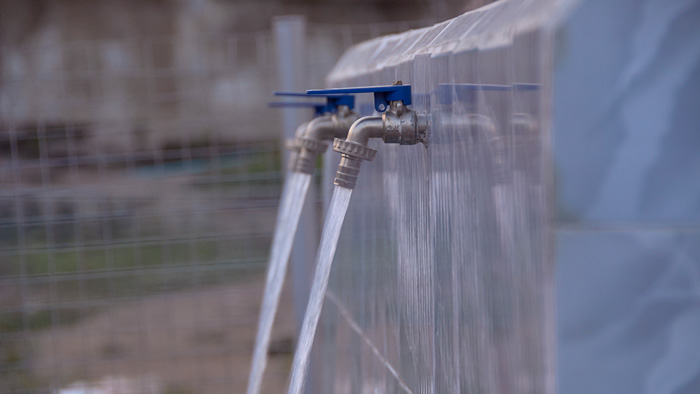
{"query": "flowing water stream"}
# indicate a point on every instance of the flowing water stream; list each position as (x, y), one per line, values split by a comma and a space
(324, 259)
(291, 203)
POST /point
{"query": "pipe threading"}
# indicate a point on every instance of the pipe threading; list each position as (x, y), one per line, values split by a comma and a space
(311, 145)
(347, 173)
(305, 163)
(309, 149)
(352, 156)
(291, 144)
(353, 149)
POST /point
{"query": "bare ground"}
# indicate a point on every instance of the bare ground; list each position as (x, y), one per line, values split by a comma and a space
(194, 342)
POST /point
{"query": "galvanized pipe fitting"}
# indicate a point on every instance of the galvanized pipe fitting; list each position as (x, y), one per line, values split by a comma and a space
(403, 126)
(352, 155)
(308, 152)
(398, 125)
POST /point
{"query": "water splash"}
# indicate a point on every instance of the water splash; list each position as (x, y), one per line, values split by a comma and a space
(292, 202)
(324, 259)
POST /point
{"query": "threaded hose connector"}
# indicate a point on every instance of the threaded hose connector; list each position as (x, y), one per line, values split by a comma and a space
(309, 149)
(291, 144)
(311, 145)
(352, 156)
(347, 173)
(353, 149)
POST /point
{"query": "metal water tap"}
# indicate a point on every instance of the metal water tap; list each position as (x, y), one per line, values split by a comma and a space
(397, 125)
(314, 140)
(319, 110)
(333, 120)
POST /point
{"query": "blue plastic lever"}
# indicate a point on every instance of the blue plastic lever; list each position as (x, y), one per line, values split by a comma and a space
(319, 108)
(526, 86)
(333, 101)
(382, 94)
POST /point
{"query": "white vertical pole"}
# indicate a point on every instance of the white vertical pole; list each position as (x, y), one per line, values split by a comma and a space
(290, 38)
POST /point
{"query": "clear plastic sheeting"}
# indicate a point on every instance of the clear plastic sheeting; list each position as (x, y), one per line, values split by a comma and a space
(564, 134)
(443, 279)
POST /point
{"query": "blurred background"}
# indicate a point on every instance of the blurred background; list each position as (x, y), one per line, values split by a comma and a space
(140, 171)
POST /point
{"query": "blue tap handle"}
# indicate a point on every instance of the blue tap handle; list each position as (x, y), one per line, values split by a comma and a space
(319, 108)
(526, 86)
(382, 94)
(333, 101)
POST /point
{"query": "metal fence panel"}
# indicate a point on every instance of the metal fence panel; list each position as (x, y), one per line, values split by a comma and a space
(139, 181)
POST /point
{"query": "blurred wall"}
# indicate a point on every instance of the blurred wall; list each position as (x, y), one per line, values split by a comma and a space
(626, 143)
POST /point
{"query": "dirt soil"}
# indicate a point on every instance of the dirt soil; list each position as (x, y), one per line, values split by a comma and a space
(194, 342)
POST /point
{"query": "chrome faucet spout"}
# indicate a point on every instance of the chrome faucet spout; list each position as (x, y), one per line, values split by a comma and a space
(398, 125)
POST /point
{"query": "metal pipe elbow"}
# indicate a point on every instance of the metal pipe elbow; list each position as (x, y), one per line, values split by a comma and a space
(345, 122)
(365, 128)
(355, 149)
(312, 142)
(291, 144)
(330, 126)
(321, 128)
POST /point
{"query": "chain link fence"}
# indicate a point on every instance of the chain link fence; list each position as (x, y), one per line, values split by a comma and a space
(139, 181)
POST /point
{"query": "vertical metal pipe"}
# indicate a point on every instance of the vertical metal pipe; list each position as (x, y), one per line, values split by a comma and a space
(290, 40)
(291, 47)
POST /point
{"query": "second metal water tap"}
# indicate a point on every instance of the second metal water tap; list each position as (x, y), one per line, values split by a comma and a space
(312, 142)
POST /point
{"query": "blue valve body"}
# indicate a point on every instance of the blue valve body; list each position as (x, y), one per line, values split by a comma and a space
(382, 94)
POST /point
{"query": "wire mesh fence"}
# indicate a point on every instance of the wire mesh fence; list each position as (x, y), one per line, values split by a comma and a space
(139, 181)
